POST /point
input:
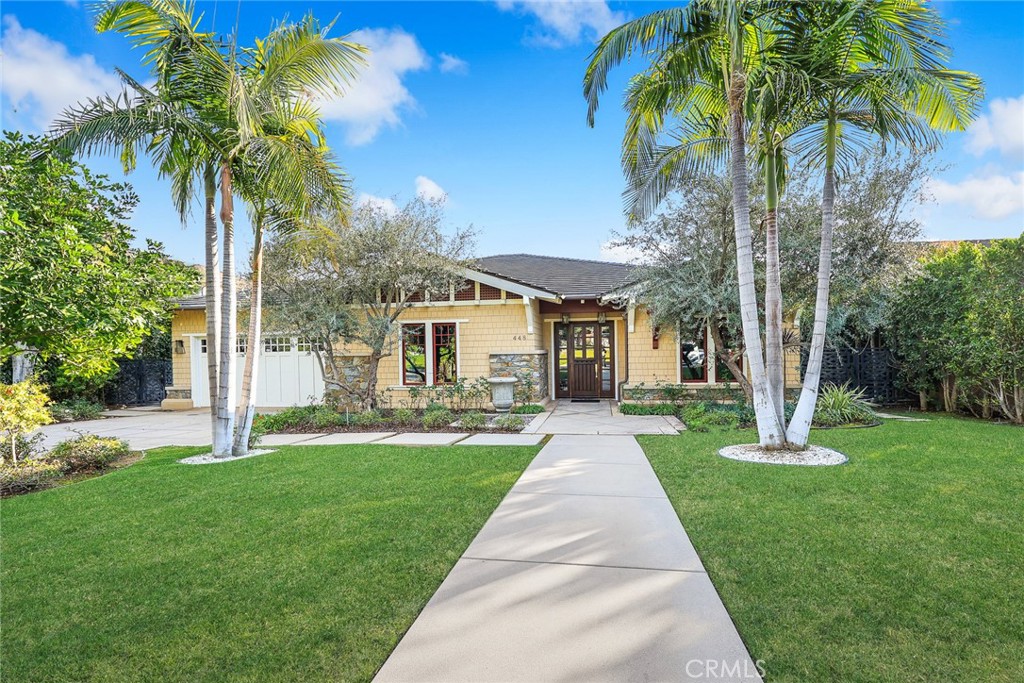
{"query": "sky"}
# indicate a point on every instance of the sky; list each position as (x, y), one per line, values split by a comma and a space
(481, 102)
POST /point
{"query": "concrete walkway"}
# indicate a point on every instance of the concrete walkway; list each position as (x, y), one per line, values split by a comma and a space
(600, 417)
(583, 573)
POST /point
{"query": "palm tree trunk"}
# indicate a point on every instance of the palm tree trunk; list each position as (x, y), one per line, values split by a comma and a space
(773, 289)
(225, 421)
(769, 429)
(247, 398)
(213, 293)
(800, 426)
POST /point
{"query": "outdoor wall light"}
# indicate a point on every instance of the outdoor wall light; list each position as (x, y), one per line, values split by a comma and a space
(565, 318)
(601, 317)
(179, 346)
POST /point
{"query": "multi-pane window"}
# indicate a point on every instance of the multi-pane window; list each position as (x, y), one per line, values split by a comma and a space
(414, 354)
(202, 346)
(241, 343)
(277, 344)
(722, 371)
(429, 353)
(445, 370)
(693, 359)
(306, 345)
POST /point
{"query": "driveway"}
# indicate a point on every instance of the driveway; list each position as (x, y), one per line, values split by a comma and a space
(583, 573)
(143, 428)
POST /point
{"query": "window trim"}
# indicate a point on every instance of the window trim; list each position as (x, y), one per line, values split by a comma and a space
(428, 350)
(707, 370)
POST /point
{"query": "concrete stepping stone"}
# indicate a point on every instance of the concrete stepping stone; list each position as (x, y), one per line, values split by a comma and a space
(422, 439)
(502, 440)
(346, 438)
(286, 439)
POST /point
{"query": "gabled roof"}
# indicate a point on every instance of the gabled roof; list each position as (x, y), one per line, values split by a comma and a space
(568, 277)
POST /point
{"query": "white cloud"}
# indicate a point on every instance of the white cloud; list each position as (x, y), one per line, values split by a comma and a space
(378, 97)
(564, 22)
(1002, 128)
(41, 78)
(429, 190)
(384, 203)
(621, 253)
(450, 64)
(992, 197)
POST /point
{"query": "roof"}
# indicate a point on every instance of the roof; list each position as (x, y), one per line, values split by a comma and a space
(192, 303)
(568, 277)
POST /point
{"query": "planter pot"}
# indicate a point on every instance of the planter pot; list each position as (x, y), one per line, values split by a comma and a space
(502, 395)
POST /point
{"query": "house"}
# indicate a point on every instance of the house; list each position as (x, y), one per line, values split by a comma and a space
(545, 317)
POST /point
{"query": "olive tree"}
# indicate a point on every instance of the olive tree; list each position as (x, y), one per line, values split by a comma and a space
(342, 284)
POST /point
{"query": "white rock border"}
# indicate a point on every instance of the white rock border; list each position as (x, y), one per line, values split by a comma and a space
(208, 459)
(815, 456)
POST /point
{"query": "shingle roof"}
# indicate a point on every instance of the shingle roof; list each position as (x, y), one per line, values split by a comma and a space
(568, 277)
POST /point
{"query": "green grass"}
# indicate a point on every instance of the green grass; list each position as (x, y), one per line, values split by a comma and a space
(906, 564)
(304, 565)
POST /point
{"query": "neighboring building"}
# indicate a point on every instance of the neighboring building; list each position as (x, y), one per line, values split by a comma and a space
(520, 313)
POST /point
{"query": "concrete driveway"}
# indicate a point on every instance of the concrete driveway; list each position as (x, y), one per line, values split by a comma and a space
(143, 428)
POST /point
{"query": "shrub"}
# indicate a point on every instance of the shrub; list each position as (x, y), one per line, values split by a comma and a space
(437, 418)
(22, 410)
(433, 406)
(326, 417)
(88, 452)
(76, 409)
(528, 409)
(652, 409)
(473, 420)
(509, 422)
(26, 447)
(368, 418)
(27, 475)
(289, 418)
(403, 416)
(842, 405)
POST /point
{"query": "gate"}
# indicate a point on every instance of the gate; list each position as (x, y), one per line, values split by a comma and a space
(139, 381)
(873, 370)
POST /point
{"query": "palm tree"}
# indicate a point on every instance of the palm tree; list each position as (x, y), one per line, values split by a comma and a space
(878, 66)
(701, 60)
(204, 118)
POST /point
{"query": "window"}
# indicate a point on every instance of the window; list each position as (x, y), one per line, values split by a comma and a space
(429, 353)
(306, 345)
(444, 353)
(277, 344)
(693, 357)
(241, 343)
(722, 372)
(202, 346)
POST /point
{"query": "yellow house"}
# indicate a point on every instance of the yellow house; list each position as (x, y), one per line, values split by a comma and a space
(520, 315)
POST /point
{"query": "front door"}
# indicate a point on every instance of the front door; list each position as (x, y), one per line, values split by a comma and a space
(585, 360)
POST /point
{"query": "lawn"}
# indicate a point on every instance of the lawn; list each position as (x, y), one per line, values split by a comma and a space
(906, 564)
(304, 565)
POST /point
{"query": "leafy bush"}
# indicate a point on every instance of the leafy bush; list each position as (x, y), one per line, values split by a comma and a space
(26, 447)
(27, 475)
(88, 452)
(528, 409)
(368, 418)
(842, 405)
(326, 417)
(76, 409)
(290, 418)
(403, 416)
(650, 409)
(437, 418)
(22, 410)
(473, 420)
(433, 406)
(509, 422)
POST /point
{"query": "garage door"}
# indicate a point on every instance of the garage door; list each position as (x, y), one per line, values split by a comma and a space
(289, 374)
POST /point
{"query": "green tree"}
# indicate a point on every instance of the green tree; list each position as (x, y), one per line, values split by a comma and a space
(73, 288)
(223, 117)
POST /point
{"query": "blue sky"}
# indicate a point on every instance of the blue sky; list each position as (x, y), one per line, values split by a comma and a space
(482, 101)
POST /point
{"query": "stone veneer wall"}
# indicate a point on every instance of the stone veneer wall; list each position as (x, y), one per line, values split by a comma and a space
(355, 370)
(533, 364)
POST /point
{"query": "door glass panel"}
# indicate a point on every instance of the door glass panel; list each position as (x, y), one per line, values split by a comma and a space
(562, 346)
(606, 358)
(583, 342)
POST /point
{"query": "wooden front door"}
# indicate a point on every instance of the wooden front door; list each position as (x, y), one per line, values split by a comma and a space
(585, 358)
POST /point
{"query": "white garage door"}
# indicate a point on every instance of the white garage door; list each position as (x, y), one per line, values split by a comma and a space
(288, 374)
